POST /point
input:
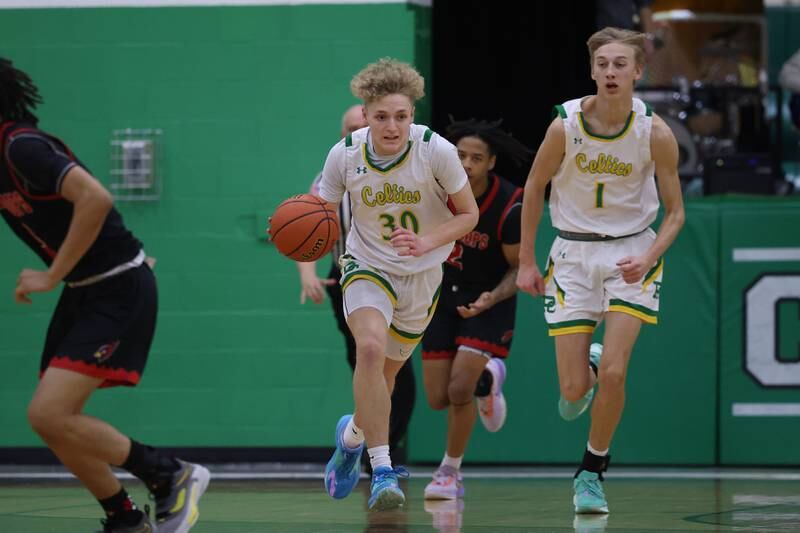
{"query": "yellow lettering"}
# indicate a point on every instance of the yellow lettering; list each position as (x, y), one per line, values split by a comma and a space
(580, 160)
(391, 194)
(604, 164)
(366, 192)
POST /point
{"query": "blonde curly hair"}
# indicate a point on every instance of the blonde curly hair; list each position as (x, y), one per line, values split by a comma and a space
(387, 76)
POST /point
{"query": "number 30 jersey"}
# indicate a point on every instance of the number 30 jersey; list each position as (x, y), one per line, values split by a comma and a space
(605, 183)
(411, 192)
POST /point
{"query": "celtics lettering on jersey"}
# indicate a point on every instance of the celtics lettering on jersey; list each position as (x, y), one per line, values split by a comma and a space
(603, 164)
(605, 183)
(390, 194)
(398, 192)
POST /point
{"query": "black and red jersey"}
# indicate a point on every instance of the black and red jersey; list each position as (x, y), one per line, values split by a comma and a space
(32, 169)
(477, 259)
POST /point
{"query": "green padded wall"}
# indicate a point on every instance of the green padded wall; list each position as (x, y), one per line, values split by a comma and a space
(250, 100)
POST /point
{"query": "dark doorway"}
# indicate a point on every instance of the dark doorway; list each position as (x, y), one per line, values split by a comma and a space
(509, 60)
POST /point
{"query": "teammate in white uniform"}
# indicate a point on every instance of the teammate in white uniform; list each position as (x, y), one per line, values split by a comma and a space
(399, 177)
(600, 153)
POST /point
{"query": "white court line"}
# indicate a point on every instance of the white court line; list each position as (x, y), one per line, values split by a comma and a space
(639, 474)
(766, 409)
(746, 255)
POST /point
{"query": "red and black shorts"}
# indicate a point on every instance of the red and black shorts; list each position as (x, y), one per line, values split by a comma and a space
(105, 329)
(490, 332)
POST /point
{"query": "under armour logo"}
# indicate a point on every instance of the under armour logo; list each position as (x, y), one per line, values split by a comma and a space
(361, 170)
(577, 140)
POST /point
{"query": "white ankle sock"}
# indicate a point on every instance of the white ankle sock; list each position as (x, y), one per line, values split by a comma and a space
(353, 435)
(596, 452)
(379, 456)
(455, 462)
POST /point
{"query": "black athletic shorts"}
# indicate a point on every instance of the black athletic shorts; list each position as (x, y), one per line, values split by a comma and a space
(105, 329)
(490, 331)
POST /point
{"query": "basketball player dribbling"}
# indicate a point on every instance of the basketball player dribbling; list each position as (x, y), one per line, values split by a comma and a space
(399, 176)
(601, 153)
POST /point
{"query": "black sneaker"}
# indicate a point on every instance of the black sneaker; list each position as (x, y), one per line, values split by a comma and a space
(177, 512)
(118, 524)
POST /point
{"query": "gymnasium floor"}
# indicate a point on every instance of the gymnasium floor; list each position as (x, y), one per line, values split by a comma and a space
(251, 498)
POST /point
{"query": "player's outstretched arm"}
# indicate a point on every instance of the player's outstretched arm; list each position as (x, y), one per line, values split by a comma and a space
(545, 165)
(503, 291)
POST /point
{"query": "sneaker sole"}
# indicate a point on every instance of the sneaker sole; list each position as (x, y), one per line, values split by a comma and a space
(438, 496)
(388, 499)
(602, 509)
(201, 476)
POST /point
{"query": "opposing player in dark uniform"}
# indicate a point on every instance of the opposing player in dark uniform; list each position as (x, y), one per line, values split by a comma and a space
(103, 324)
(471, 331)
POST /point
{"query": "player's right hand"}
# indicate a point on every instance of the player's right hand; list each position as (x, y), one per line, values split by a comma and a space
(314, 288)
(530, 280)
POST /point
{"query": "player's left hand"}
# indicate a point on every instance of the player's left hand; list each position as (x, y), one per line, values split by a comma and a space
(633, 268)
(484, 302)
(29, 281)
(406, 242)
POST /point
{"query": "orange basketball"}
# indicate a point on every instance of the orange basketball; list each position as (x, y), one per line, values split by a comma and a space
(303, 229)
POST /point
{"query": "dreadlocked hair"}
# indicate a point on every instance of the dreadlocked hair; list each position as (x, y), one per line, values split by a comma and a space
(18, 94)
(500, 142)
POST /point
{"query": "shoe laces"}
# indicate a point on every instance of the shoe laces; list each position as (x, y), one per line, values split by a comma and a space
(592, 487)
(399, 471)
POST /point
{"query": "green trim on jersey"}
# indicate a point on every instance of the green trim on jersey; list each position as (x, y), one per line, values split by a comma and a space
(571, 326)
(548, 271)
(653, 273)
(348, 141)
(371, 164)
(639, 311)
(648, 110)
(404, 335)
(427, 136)
(561, 294)
(559, 111)
(618, 135)
(370, 276)
(434, 301)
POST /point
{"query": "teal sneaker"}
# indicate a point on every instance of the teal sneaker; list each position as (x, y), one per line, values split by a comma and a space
(386, 493)
(589, 496)
(572, 410)
(344, 468)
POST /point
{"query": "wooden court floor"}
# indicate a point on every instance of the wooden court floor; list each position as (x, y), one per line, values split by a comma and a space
(500, 500)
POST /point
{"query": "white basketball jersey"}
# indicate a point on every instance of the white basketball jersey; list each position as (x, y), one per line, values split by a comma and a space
(605, 184)
(403, 194)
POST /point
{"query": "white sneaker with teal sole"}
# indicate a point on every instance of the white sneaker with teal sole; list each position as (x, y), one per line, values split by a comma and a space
(589, 496)
(572, 410)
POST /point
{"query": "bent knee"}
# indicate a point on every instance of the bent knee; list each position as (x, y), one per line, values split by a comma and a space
(437, 402)
(611, 378)
(370, 351)
(460, 392)
(572, 392)
(43, 420)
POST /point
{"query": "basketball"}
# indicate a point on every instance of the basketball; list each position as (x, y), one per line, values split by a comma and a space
(303, 229)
